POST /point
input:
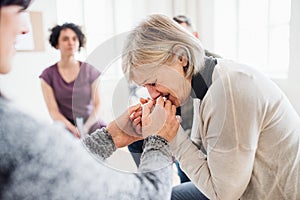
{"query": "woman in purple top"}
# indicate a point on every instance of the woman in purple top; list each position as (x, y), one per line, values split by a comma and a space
(70, 86)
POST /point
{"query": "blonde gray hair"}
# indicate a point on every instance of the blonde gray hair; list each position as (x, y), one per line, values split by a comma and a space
(151, 43)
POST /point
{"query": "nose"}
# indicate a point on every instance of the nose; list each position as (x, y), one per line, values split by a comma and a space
(71, 42)
(152, 91)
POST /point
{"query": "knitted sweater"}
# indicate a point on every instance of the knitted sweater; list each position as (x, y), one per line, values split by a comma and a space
(43, 162)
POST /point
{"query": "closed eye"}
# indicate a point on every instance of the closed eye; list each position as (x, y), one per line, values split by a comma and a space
(151, 84)
(154, 83)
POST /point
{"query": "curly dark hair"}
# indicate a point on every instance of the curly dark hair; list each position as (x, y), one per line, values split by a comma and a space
(55, 32)
(23, 3)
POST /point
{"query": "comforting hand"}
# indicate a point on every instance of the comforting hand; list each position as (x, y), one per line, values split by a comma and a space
(122, 130)
(160, 118)
(137, 117)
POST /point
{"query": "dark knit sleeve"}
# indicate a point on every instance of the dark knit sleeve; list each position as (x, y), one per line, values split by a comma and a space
(100, 143)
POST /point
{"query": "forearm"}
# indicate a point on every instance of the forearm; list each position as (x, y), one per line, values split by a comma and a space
(223, 176)
(95, 114)
(57, 116)
(155, 175)
(156, 169)
(193, 162)
(92, 119)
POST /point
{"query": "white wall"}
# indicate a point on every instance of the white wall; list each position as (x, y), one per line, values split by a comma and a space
(208, 29)
(291, 86)
(22, 84)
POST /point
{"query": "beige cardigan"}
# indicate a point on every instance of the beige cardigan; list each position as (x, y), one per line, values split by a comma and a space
(252, 137)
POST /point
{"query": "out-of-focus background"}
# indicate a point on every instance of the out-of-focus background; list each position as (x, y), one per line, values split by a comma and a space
(262, 33)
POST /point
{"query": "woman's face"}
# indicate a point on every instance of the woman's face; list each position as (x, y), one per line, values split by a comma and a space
(12, 23)
(68, 42)
(168, 81)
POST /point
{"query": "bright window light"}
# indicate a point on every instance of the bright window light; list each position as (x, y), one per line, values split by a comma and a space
(258, 31)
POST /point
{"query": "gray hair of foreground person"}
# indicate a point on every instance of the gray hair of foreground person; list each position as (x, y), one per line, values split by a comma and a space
(156, 40)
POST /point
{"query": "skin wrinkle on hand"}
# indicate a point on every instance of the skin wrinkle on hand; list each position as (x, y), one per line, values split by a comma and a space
(154, 123)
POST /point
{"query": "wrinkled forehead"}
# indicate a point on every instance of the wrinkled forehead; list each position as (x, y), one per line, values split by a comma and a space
(143, 74)
(162, 74)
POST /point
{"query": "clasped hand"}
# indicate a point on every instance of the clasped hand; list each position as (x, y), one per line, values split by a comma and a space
(140, 121)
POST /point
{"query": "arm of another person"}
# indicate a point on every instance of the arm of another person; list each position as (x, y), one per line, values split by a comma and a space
(95, 114)
(118, 133)
(52, 106)
(155, 179)
(46, 157)
(230, 128)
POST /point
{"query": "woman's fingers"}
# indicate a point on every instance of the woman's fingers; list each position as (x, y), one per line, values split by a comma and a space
(173, 110)
(147, 108)
(143, 101)
(134, 108)
(138, 129)
(168, 106)
(136, 121)
(135, 115)
(160, 101)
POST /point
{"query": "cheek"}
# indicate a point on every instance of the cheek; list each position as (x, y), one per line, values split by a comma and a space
(152, 91)
(180, 89)
(174, 87)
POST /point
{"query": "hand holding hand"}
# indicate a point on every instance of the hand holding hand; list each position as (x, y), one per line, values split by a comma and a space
(122, 130)
(160, 118)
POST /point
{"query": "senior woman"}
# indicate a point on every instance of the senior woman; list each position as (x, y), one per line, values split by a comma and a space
(247, 128)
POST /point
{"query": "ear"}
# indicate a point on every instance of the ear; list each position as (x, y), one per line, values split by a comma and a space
(182, 54)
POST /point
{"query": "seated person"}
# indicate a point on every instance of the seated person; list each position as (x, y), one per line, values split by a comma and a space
(246, 125)
(70, 87)
(185, 111)
(43, 162)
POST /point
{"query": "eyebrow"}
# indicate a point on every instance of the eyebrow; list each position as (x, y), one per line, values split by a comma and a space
(148, 81)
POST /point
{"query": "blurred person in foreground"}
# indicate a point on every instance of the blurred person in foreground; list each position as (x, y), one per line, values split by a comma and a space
(43, 162)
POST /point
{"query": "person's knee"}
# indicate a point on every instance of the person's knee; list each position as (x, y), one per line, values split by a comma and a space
(187, 191)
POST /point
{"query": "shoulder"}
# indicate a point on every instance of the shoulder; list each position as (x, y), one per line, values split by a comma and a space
(19, 129)
(86, 66)
(50, 70)
(241, 82)
(90, 70)
(15, 118)
(235, 71)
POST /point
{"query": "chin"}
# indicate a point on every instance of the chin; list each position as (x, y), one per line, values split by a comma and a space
(5, 64)
(4, 70)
